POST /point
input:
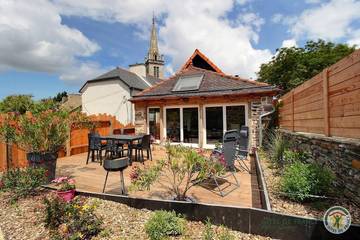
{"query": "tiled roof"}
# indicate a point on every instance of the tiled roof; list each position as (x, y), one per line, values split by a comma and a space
(213, 84)
(131, 79)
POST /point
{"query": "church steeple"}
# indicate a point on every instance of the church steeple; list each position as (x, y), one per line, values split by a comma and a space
(153, 52)
(154, 61)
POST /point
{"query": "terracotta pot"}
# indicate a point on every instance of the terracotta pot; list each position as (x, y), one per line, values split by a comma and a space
(67, 196)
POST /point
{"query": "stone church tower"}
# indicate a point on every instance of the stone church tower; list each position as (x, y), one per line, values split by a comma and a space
(154, 61)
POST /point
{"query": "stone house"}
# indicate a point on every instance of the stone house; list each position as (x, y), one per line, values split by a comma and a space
(199, 103)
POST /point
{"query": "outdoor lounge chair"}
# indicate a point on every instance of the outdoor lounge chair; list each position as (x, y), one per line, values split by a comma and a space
(116, 165)
(229, 151)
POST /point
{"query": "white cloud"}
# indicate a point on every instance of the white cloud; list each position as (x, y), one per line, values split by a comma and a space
(187, 25)
(355, 38)
(34, 39)
(330, 21)
(289, 43)
(83, 71)
(313, 1)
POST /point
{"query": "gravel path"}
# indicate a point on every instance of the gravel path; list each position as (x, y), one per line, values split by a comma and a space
(24, 221)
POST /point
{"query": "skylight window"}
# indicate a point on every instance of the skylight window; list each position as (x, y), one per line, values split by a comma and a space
(188, 83)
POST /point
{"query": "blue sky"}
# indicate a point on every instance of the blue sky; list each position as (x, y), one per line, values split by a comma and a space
(53, 46)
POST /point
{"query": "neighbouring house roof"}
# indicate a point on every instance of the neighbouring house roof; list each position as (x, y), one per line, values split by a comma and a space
(72, 102)
(132, 80)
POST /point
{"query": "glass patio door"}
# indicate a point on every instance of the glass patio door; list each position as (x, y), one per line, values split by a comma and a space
(182, 125)
(214, 124)
(154, 122)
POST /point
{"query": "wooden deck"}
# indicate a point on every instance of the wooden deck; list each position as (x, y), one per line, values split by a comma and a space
(91, 178)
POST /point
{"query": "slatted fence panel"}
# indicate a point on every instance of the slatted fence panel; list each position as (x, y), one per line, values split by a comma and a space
(328, 103)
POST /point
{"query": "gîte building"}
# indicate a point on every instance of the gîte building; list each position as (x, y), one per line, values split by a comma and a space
(109, 93)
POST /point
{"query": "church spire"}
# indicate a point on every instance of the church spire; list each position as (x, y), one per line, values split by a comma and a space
(153, 53)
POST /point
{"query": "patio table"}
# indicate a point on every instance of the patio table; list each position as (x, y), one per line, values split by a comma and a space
(129, 139)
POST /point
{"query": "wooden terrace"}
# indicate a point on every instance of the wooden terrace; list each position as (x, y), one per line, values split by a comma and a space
(90, 177)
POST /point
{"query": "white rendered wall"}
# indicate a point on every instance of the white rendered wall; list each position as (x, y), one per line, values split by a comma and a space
(110, 97)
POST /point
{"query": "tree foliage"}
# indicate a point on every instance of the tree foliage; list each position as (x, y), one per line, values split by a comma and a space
(16, 103)
(292, 66)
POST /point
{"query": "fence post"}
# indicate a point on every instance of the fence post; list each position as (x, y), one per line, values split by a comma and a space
(292, 111)
(68, 144)
(325, 77)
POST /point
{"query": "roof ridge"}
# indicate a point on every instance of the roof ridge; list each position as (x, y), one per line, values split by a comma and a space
(203, 56)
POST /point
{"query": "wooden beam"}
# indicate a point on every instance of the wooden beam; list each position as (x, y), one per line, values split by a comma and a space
(325, 78)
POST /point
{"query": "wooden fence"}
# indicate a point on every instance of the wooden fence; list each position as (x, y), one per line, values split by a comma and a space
(328, 103)
(12, 156)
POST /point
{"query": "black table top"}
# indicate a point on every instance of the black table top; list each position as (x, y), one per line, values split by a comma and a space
(122, 137)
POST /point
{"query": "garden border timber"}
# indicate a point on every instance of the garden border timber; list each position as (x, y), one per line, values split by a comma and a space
(264, 196)
(247, 220)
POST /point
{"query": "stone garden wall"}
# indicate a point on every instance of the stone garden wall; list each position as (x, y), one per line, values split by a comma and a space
(342, 155)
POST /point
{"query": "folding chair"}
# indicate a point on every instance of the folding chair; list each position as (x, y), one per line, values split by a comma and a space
(243, 148)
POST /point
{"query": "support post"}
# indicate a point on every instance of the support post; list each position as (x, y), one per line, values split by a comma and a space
(325, 77)
(292, 111)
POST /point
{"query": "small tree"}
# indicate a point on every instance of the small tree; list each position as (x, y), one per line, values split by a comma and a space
(183, 168)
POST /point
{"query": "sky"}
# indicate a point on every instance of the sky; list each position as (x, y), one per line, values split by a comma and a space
(50, 46)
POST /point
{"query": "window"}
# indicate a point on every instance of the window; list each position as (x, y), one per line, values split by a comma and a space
(219, 119)
(156, 72)
(235, 117)
(214, 124)
(182, 125)
(173, 124)
(191, 125)
(154, 122)
(188, 83)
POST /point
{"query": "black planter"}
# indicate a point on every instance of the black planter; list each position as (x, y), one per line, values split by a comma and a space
(44, 160)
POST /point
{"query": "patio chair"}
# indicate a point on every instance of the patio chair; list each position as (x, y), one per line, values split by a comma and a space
(243, 148)
(116, 165)
(95, 147)
(228, 151)
(144, 144)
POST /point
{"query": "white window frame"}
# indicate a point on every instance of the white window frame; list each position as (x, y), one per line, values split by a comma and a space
(181, 107)
(212, 146)
(148, 121)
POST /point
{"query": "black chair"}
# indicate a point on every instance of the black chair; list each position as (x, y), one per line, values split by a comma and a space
(95, 147)
(144, 144)
(228, 151)
(243, 148)
(116, 165)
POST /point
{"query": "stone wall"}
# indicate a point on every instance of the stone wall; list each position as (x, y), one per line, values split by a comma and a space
(140, 119)
(342, 155)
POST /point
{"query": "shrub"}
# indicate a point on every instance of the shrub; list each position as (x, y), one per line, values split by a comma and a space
(276, 146)
(180, 168)
(71, 220)
(22, 182)
(209, 233)
(222, 234)
(300, 180)
(291, 156)
(163, 224)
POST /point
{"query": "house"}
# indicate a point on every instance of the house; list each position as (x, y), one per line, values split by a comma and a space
(72, 102)
(199, 103)
(110, 92)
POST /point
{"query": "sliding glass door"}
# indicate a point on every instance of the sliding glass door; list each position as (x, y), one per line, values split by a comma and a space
(214, 124)
(219, 119)
(182, 124)
(154, 122)
(173, 124)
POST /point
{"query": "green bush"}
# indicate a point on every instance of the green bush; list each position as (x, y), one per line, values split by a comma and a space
(22, 182)
(71, 220)
(291, 156)
(300, 180)
(210, 234)
(163, 224)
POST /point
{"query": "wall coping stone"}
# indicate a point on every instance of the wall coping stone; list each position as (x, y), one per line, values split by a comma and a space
(340, 140)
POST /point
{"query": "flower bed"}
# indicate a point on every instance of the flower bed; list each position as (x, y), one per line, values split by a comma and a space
(315, 208)
(25, 221)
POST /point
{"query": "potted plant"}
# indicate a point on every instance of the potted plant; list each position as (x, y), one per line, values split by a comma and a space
(66, 188)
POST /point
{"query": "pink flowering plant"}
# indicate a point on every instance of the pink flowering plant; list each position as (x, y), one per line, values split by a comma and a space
(64, 183)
